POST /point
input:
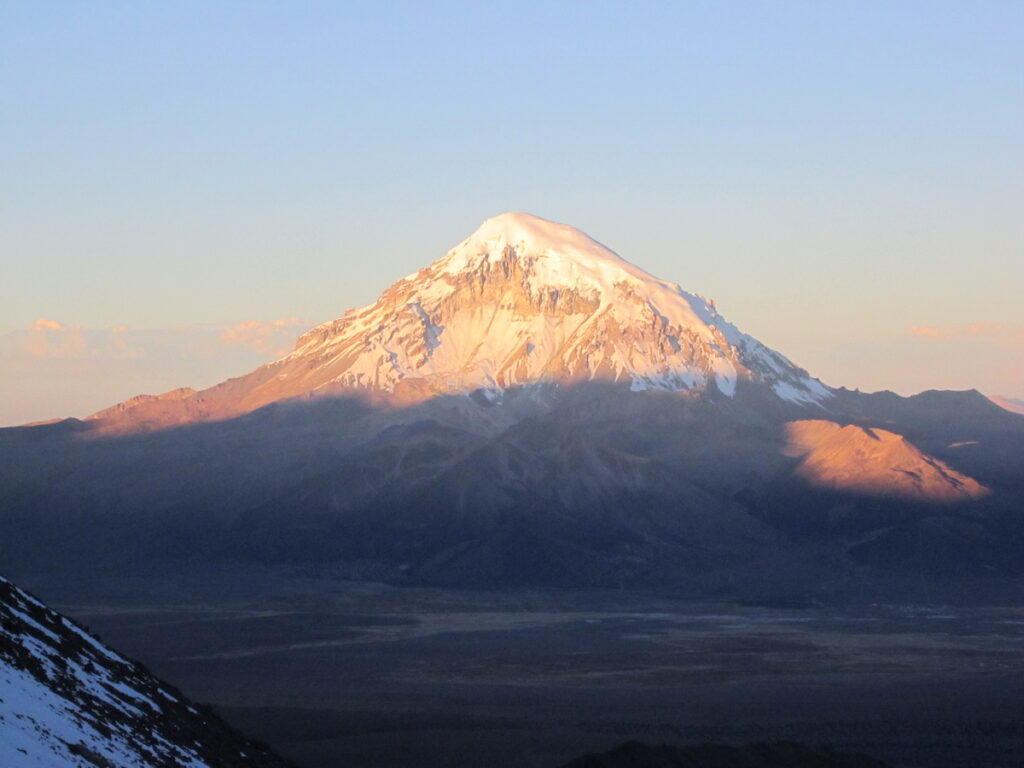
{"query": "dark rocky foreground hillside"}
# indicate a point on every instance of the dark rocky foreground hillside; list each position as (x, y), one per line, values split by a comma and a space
(776, 755)
(68, 700)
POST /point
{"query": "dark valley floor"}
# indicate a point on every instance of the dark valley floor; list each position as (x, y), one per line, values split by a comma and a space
(364, 675)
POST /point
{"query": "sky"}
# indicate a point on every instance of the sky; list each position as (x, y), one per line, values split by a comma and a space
(184, 187)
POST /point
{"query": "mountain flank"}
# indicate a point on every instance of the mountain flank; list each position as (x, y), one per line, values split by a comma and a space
(874, 462)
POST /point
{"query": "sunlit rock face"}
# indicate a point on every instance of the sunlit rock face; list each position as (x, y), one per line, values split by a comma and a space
(874, 462)
(521, 301)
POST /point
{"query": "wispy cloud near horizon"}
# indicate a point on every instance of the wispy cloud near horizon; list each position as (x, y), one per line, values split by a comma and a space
(44, 324)
(53, 369)
(46, 338)
(273, 338)
(1001, 333)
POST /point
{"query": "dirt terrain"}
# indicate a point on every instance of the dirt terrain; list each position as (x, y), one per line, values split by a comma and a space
(367, 675)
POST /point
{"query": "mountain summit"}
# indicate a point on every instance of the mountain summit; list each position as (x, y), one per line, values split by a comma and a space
(521, 301)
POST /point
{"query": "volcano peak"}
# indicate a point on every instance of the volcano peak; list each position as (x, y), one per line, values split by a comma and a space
(521, 301)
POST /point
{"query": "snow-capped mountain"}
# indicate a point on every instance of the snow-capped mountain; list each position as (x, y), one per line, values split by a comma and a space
(528, 409)
(68, 701)
(521, 301)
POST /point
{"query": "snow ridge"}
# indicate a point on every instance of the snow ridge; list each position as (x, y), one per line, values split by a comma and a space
(68, 700)
(524, 300)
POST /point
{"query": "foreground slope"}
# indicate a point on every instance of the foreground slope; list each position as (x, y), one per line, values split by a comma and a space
(67, 700)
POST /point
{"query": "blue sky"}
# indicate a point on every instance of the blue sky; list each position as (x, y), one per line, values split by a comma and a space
(846, 179)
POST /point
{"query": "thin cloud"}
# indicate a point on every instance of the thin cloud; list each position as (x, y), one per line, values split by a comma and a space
(271, 338)
(1001, 333)
(44, 324)
(51, 368)
(50, 338)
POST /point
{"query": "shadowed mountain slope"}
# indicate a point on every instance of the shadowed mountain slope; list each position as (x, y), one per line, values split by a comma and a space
(587, 485)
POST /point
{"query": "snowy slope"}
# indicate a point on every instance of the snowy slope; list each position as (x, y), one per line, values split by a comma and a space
(67, 700)
(524, 300)
(521, 301)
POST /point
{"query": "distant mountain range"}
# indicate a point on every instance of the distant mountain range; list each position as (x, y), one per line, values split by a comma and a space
(68, 700)
(532, 409)
(1014, 405)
